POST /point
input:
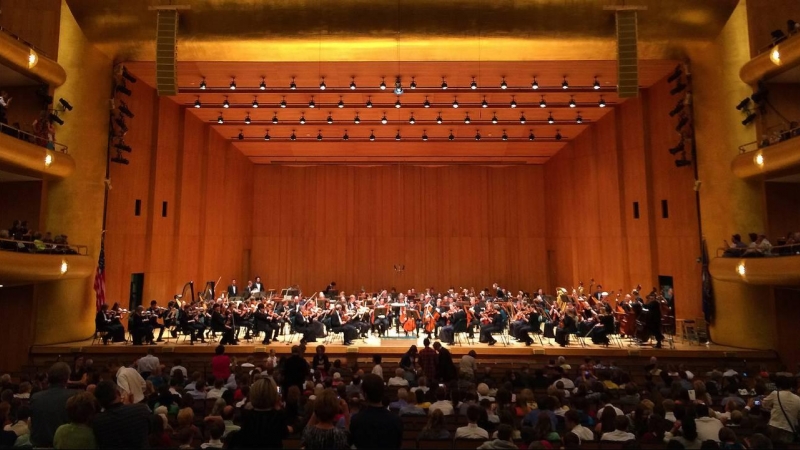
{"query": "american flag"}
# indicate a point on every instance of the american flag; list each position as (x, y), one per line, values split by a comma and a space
(100, 276)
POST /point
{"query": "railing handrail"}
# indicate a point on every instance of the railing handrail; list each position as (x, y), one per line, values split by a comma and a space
(27, 44)
(58, 146)
(721, 250)
(80, 249)
(746, 148)
(772, 45)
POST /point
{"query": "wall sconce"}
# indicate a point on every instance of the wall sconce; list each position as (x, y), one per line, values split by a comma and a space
(64, 266)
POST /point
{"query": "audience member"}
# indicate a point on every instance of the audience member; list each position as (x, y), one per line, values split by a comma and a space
(119, 425)
(49, 407)
(435, 429)
(471, 430)
(620, 432)
(264, 424)
(374, 426)
(77, 433)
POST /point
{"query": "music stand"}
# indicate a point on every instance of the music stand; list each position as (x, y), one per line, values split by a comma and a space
(380, 311)
(285, 294)
(332, 294)
(321, 303)
(414, 314)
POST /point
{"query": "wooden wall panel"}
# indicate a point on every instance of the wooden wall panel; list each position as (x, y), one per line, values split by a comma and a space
(21, 200)
(18, 310)
(35, 21)
(449, 226)
(783, 210)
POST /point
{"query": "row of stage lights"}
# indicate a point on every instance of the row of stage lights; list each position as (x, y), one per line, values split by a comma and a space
(397, 137)
(397, 104)
(411, 120)
(398, 88)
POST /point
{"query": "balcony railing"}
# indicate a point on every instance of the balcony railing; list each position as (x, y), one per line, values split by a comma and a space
(32, 138)
(23, 41)
(43, 248)
(770, 158)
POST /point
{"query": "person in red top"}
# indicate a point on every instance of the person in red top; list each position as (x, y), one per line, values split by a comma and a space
(428, 358)
(221, 364)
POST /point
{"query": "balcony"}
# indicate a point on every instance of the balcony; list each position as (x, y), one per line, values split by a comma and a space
(23, 263)
(771, 161)
(768, 270)
(774, 62)
(28, 60)
(19, 153)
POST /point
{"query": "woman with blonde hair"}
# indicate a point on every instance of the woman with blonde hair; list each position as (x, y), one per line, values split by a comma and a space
(321, 431)
(264, 423)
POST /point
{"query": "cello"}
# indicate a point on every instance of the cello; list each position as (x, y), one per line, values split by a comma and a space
(429, 322)
(409, 321)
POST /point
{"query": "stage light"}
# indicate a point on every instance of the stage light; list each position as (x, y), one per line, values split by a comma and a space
(792, 26)
(220, 120)
(424, 136)
(564, 84)
(578, 119)
(451, 137)
(283, 102)
(531, 136)
(601, 103)
(292, 85)
(233, 84)
(383, 85)
(677, 109)
(263, 85)
(67, 106)
(241, 135)
(384, 120)
(322, 85)
(675, 74)
(558, 135)
(503, 84)
(542, 103)
(682, 123)
(473, 85)
(572, 103)
(203, 84)
(371, 136)
(353, 84)
(275, 119)
(255, 102)
(522, 118)
(329, 119)
(122, 89)
(778, 36)
(398, 86)
(494, 119)
(455, 103)
(412, 120)
(426, 104)
(439, 119)
(466, 118)
(397, 136)
(122, 146)
(123, 108)
(535, 84)
(341, 103)
(267, 136)
(293, 137)
(247, 119)
(345, 137)
(505, 136)
(413, 84)
(226, 104)
(356, 119)
(311, 103)
(319, 135)
(513, 103)
(678, 88)
(477, 135)
(749, 119)
(397, 104)
(58, 120)
(444, 84)
(678, 148)
(120, 160)
(761, 95)
(550, 119)
(596, 84)
(369, 102)
(120, 121)
(302, 119)
(484, 103)
(197, 103)
(683, 162)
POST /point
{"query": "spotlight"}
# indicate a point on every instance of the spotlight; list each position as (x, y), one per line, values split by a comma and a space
(413, 84)
(484, 103)
(58, 120)
(426, 104)
(503, 84)
(226, 103)
(122, 146)
(473, 85)
(531, 137)
(777, 37)
(398, 87)
(535, 84)
(384, 120)
(397, 136)
(322, 85)
(119, 160)
(675, 74)
(477, 135)
(564, 84)
(601, 103)
(412, 120)
(120, 121)
(292, 85)
(329, 119)
(203, 84)
(383, 85)
(356, 119)
(505, 136)
(319, 135)
(371, 136)
(255, 103)
(749, 119)
(247, 119)
(444, 84)
(283, 102)
(743, 104)
(241, 136)
(494, 119)
(122, 89)
(341, 103)
(451, 137)
(542, 103)
(233, 84)
(572, 103)
(267, 136)
(466, 118)
(682, 123)
(220, 120)
(522, 118)
(439, 119)
(353, 84)
(455, 103)
(311, 103)
(424, 136)
(683, 162)
(513, 103)
(578, 119)
(127, 75)
(275, 119)
(596, 84)
(558, 135)
(677, 109)
(397, 103)
(792, 26)
(678, 148)
(123, 108)
(345, 137)
(293, 137)
(550, 119)
(302, 119)
(761, 95)
(369, 102)
(67, 106)
(263, 85)
(678, 88)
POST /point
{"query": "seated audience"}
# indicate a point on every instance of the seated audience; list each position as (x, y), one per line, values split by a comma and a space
(471, 430)
(435, 428)
(620, 433)
(77, 433)
(119, 425)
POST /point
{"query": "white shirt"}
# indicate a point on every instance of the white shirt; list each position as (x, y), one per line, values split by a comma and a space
(618, 436)
(670, 416)
(424, 389)
(708, 428)
(445, 406)
(215, 393)
(471, 431)
(147, 363)
(131, 383)
(212, 443)
(378, 370)
(177, 368)
(568, 384)
(790, 403)
(583, 433)
(398, 381)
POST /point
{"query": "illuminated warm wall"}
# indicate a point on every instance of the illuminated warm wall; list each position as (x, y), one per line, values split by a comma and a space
(35, 21)
(21, 200)
(783, 210)
(449, 226)
(591, 187)
(207, 187)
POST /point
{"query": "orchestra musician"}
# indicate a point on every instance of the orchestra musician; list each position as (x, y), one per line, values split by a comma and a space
(141, 328)
(605, 326)
(302, 324)
(339, 325)
(171, 317)
(263, 323)
(153, 313)
(248, 290)
(359, 316)
(189, 323)
(493, 323)
(653, 319)
(532, 322)
(233, 289)
(258, 286)
(380, 322)
(219, 324)
(106, 322)
(458, 322)
(568, 325)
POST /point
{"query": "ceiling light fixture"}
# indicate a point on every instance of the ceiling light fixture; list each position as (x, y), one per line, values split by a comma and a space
(226, 103)
(383, 84)
(579, 119)
(345, 137)
(319, 135)
(356, 119)
(220, 120)
(505, 136)
(263, 85)
(397, 104)
(292, 86)
(455, 103)
(451, 137)
(466, 118)
(558, 135)
(531, 136)
(413, 84)
(542, 103)
(322, 85)
(384, 120)
(302, 119)
(203, 84)
(477, 135)
(398, 86)
(197, 103)
(371, 136)
(439, 119)
(241, 135)
(341, 103)
(426, 104)
(353, 84)
(233, 84)
(311, 103)
(283, 102)
(503, 84)
(255, 102)
(572, 103)
(369, 102)
(397, 136)
(329, 119)
(412, 120)
(565, 84)
(550, 119)
(275, 118)
(484, 103)
(444, 84)
(247, 119)
(513, 103)
(293, 137)
(522, 118)
(535, 84)
(601, 103)
(596, 84)
(424, 136)
(266, 136)
(494, 119)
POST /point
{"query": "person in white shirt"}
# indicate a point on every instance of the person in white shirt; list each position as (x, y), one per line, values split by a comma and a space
(217, 390)
(468, 365)
(669, 410)
(483, 392)
(399, 378)
(573, 425)
(148, 364)
(422, 385)
(620, 434)
(130, 382)
(707, 427)
(784, 410)
(177, 367)
(377, 369)
(441, 403)
(471, 430)
(616, 410)
(216, 428)
(568, 384)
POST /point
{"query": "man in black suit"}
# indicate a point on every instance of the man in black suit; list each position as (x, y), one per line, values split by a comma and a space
(339, 326)
(259, 286)
(653, 320)
(218, 324)
(264, 323)
(142, 328)
(233, 289)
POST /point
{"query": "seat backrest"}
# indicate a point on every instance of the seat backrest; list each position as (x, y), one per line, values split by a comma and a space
(435, 444)
(471, 444)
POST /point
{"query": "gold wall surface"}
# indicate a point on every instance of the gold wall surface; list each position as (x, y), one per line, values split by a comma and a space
(19, 268)
(776, 271)
(75, 205)
(22, 157)
(30, 62)
(728, 204)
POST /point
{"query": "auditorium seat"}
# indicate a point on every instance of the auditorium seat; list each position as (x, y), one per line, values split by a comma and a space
(435, 444)
(471, 444)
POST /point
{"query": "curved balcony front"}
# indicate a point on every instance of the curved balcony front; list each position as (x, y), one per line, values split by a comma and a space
(27, 60)
(772, 62)
(18, 155)
(26, 266)
(769, 270)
